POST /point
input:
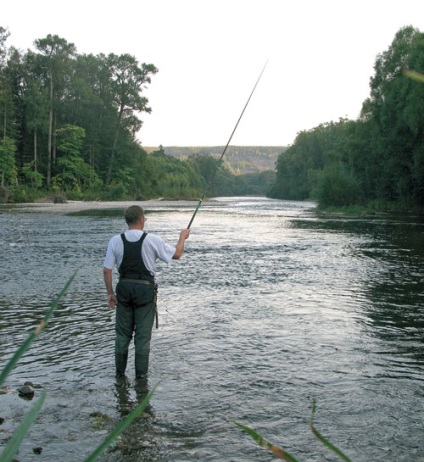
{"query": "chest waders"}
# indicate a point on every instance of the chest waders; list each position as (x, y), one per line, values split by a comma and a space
(135, 270)
(136, 309)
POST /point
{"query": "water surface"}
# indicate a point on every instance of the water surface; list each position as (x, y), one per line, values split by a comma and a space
(270, 308)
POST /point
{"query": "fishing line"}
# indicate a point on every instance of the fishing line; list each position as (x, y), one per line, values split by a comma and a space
(208, 185)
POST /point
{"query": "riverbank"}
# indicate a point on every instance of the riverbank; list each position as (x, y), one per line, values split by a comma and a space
(81, 206)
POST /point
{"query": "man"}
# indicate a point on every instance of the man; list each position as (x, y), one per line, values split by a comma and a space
(135, 253)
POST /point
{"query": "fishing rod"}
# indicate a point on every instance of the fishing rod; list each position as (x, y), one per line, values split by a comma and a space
(224, 151)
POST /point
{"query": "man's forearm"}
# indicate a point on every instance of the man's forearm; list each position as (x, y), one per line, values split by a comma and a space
(179, 248)
(111, 297)
(107, 276)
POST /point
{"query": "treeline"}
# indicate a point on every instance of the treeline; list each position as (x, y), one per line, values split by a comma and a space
(69, 125)
(172, 178)
(375, 160)
(238, 160)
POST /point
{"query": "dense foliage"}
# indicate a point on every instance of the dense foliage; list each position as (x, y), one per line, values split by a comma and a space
(69, 126)
(378, 158)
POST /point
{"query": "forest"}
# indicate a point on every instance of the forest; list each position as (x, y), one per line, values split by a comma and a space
(70, 123)
(376, 161)
(69, 126)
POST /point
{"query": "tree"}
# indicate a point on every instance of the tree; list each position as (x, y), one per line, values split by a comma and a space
(8, 172)
(337, 187)
(5, 96)
(35, 100)
(127, 81)
(74, 173)
(394, 113)
(56, 55)
(4, 35)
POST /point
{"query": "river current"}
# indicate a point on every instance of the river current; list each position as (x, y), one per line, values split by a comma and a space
(270, 309)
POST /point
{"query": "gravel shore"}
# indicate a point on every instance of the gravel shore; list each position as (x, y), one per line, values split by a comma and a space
(78, 206)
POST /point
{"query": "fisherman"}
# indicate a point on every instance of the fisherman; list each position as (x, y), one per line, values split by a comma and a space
(135, 252)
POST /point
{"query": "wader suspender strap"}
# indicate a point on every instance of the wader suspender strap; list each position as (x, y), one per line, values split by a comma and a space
(155, 301)
(141, 281)
(132, 266)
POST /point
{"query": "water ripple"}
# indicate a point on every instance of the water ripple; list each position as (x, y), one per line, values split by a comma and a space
(270, 308)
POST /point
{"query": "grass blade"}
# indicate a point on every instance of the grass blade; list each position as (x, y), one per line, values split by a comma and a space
(414, 75)
(121, 427)
(24, 347)
(324, 440)
(13, 445)
(277, 451)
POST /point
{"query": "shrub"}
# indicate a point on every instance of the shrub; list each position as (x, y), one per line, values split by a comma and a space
(337, 187)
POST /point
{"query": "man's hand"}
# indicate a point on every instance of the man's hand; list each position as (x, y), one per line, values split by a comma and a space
(112, 301)
(185, 233)
(179, 248)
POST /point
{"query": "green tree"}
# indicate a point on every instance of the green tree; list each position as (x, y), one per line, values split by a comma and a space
(6, 101)
(172, 178)
(317, 155)
(4, 35)
(337, 187)
(56, 55)
(74, 173)
(394, 112)
(89, 105)
(8, 172)
(127, 82)
(215, 177)
(34, 95)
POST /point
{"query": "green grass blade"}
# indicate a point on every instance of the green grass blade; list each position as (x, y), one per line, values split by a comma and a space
(324, 440)
(13, 445)
(120, 428)
(414, 75)
(277, 451)
(24, 347)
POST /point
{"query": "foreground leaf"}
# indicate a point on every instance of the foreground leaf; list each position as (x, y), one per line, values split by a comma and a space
(24, 347)
(324, 440)
(280, 453)
(13, 445)
(121, 427)
(414, 75)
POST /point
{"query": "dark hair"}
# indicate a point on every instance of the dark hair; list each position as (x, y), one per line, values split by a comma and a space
(133, 214)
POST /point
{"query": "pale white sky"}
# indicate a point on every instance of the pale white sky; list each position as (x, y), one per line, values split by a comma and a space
(210, 52)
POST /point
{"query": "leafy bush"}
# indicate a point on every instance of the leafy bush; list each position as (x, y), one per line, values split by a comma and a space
(337, 187)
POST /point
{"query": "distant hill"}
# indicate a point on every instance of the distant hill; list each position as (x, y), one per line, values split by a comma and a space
(238, 160)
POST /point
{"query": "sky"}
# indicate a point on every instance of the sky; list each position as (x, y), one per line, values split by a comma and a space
(319, 53)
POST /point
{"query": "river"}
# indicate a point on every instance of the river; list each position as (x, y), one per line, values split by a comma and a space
(271, 308)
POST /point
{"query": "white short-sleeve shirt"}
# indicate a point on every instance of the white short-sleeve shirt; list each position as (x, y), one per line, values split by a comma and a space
(153, 248)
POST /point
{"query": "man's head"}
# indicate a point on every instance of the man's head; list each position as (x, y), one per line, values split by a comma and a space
(133, 215)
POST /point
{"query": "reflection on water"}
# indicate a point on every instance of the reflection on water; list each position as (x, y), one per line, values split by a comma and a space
(270, 308)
